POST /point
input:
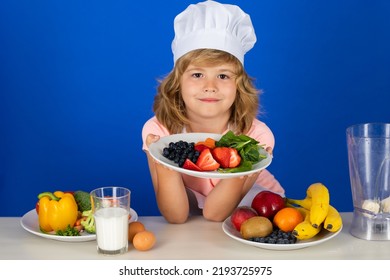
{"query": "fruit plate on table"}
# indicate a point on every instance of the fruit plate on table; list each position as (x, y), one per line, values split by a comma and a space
(30, 223)
(321, 237)
(156, 151)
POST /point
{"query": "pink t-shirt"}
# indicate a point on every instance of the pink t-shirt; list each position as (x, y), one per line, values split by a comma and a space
(200, 186)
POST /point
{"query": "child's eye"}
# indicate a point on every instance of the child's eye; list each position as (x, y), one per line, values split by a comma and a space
(197, 75)
(223, 76)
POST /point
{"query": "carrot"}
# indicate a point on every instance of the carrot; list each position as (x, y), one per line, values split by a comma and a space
(78, 221)
(209, 142)
(79, 228)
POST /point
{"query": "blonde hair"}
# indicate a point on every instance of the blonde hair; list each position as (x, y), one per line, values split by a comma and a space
(169, 106)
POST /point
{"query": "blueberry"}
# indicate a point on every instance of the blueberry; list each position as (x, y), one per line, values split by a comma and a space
(277, 237)
(179, 151)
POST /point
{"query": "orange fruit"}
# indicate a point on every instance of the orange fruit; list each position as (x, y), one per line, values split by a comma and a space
(286, 219)
(134, 228)
(144, 240)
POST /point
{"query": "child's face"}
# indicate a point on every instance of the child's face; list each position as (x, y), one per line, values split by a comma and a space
(208, 91)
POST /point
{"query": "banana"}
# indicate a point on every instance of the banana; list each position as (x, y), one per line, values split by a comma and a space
(305, 212)
(319, 195)
(305, 203)
(333, 220)
(305, 230)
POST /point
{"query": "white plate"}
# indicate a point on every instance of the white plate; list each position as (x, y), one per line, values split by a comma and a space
(321, 237)
(156, 150)
(30, 223)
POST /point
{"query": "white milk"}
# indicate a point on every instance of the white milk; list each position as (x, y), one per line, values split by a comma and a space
(112, 225)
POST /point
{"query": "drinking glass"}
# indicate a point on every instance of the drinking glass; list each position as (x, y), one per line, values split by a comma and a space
(111, 208)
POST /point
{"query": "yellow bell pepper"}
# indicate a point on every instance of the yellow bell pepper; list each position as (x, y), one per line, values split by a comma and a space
(56, 211)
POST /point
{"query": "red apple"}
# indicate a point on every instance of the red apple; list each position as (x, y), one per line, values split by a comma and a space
(267, 203)
(241, 214)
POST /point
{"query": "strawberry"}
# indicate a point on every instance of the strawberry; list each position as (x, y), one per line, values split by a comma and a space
(188, 164)
(235, 158)
(200, 147)
(222, 155)
(206, 162)
(227, 157)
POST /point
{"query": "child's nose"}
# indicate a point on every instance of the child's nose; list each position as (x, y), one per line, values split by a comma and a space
(210, 87)
(209, 90)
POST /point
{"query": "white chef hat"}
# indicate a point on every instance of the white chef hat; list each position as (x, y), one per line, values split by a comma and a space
(212, 25)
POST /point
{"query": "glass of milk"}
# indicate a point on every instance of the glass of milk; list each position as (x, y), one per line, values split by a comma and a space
(111, 207)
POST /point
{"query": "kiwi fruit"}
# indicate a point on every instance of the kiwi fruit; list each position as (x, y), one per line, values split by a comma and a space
(257, 226)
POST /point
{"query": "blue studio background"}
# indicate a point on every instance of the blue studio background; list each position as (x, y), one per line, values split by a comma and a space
(78, 78)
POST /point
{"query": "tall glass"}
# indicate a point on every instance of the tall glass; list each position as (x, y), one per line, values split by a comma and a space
(111, 207)
(369, 168)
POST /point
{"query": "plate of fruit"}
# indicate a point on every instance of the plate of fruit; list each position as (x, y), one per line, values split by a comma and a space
(208, 155)
(277, 223)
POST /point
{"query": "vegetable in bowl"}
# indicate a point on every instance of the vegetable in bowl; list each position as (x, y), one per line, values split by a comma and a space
(83, 200)
(247, 147)
(89, 222)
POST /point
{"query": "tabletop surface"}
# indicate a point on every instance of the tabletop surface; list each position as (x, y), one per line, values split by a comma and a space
(196, 239)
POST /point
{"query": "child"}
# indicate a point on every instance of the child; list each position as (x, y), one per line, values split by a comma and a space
(207, 91)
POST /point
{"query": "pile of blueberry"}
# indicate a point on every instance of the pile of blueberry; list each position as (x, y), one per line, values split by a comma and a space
(276, 237)
(179, 151)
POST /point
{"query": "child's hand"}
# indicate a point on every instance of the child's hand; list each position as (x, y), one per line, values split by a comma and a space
(151, 138)
(269, 150)
(255, 174)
